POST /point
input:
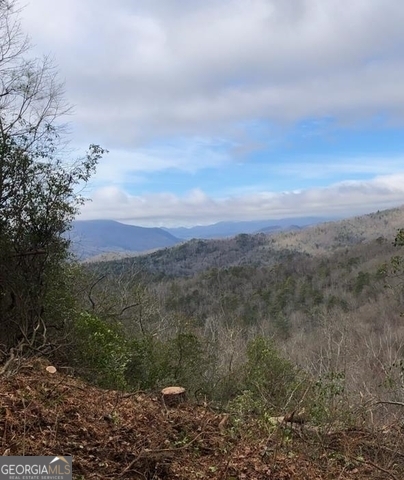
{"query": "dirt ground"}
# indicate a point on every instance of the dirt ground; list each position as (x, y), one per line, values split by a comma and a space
(115, 435)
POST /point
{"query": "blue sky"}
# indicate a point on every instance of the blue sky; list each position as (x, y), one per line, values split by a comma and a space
(232, 109)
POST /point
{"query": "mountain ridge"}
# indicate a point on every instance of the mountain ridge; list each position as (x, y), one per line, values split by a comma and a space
(96, 237)
(196, 255)
(103, 239)
(227, 229)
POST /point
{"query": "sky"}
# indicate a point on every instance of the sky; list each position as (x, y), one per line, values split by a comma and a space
(221, 110)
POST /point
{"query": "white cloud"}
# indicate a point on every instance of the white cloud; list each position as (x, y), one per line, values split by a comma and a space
(143, 73)
(186, 155)
(136, 70)
(328, 166)
(167, 209)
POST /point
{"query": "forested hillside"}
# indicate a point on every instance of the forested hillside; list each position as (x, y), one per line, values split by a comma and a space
(198, 255)
(334, 309)
(328, 236)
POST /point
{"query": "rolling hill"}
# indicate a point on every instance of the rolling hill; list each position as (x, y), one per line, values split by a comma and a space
(109, 240)
(189, 258)
(329, 236)
(95, 237)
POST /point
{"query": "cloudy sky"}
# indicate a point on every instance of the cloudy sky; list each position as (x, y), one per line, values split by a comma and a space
(232, 109)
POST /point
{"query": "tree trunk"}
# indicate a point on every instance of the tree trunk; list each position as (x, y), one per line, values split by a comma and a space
(173, 396)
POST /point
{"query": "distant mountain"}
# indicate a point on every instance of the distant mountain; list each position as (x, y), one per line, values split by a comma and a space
(230, 229)
(272, 239)
(277, 228)
(198, 255)
(95, 237)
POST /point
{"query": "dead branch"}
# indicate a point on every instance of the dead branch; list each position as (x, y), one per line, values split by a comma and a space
(8, 363)
(127, 308)
(91, 290)
(389, 402)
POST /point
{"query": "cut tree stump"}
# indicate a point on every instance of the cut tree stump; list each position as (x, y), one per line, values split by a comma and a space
(173, 396)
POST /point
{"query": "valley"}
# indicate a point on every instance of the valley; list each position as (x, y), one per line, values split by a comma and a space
(316, 294)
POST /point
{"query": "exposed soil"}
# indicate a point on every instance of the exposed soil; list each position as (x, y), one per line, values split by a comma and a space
(114, 435)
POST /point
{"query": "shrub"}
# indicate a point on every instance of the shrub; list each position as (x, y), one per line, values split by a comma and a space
(101, 351)
(329, 401)
(268, 375)
(148, 366)
(155, 363)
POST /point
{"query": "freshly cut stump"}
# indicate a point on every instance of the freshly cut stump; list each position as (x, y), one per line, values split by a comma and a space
(173, 396)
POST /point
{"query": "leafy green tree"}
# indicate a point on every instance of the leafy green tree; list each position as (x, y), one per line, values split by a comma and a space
(148, 366)
(182, 360)
(269, 377)
(362, 281)
(38, 196)
(101, 351)
(399, 240)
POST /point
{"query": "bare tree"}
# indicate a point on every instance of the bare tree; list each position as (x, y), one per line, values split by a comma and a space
(31, 96)
(38, 194)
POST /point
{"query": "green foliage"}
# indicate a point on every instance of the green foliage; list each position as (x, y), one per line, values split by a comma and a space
(37, 204)
(329, 401)
(268, 375)
(267, 383)
(392, 272)
(399, 240)
(155, 363)
(336, 302)
(187, 359)
(288, 300)
(148, 365)
(271, 385)
(101, 351)
(38, 198)
(362, 281)
(282, 326)
(244, 405)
